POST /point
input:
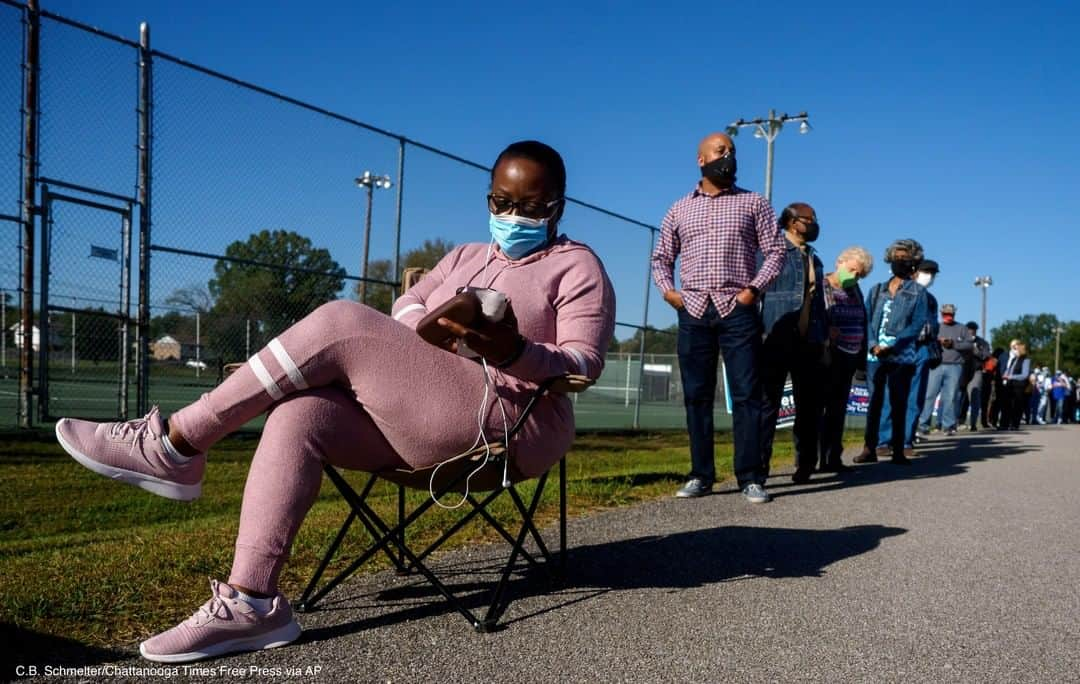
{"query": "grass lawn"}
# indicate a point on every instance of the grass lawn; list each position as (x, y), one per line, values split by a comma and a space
(105, 564)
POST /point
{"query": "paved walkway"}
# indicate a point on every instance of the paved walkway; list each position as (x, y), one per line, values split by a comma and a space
(964, 567)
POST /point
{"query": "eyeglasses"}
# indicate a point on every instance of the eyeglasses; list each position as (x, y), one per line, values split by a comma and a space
(528, 208)
(808, 220)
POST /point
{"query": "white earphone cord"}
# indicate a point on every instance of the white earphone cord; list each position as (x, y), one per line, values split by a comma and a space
(481, 437)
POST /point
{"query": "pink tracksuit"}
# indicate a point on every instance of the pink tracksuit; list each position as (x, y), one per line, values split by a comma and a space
(350, 386)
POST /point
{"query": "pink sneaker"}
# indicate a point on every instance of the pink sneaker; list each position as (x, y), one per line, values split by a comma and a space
(132, 452)
(225, 624)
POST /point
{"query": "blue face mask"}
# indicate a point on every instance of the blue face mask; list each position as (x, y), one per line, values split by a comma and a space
(518, 235)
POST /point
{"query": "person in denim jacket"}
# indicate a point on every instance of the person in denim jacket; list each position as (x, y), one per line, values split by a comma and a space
(796, 331)
(896, 311)
(924, 275)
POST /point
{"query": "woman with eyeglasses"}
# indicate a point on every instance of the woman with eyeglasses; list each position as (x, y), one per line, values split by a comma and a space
(352, 387)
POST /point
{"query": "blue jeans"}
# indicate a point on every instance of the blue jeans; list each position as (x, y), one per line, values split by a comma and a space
(893, 380)
(701, 341)
(945, 379)
(916, 396)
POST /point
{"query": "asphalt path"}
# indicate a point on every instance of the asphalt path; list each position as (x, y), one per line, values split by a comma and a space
(963, 567)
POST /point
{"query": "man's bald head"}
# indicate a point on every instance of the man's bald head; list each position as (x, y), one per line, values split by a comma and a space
(713, 146)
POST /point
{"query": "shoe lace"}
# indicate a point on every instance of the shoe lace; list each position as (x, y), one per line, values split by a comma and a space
(212, 609)
(136, 430)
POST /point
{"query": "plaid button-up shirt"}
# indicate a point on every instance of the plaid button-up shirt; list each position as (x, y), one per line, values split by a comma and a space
(717, 238)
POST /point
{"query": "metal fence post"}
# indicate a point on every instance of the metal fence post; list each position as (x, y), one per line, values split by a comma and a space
(644, 330)
(125, 312)
(142, 352)
(396, 274)
(44, 332)
(31, 71)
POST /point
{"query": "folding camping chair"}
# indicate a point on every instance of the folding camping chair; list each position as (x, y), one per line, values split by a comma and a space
(456, 475)
(451, 477)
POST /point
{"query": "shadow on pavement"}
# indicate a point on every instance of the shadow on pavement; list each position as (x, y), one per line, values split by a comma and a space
(674, 562)
(940, 457)
(27, 647)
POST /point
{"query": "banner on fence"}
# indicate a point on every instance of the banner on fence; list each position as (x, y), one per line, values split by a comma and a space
(858, 401)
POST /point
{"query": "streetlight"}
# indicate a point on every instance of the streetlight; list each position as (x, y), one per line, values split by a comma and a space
(369, 181)
(769, 128)
(984, 282)
(1057, 348)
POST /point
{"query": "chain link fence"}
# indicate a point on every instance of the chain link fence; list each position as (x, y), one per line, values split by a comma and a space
(257, 218)
(11, 85)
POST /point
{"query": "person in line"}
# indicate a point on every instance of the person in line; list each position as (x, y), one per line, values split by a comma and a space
(927, 355)
(896, 312)
(716, 232)
(1034, 397)
(341, 387)
(1058, 392)
(996, 408)
(975, 386)
(793, 315)
(1015, 374)
(944, 381)
(845, 311)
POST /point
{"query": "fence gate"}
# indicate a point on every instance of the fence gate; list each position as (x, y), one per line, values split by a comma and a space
(84, 339)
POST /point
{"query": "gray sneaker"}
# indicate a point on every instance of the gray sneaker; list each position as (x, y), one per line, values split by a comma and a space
(694, 488)
(755, 493)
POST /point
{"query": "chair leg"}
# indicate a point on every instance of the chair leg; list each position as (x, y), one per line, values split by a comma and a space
(562, 516)
(401, 568)
(385, 537)
(302, 605)
(495, 608)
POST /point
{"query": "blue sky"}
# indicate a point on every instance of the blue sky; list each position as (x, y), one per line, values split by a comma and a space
(954, 123)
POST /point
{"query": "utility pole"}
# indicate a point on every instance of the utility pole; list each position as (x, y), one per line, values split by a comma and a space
(369, 181)
(984, 282)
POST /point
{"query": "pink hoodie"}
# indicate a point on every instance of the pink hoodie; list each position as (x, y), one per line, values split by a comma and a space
(565, 308)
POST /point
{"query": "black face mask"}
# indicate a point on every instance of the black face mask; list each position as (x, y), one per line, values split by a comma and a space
(903, 269)
(721, 171)
(813, 230)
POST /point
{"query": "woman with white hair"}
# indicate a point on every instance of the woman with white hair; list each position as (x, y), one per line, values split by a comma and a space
(846, 317)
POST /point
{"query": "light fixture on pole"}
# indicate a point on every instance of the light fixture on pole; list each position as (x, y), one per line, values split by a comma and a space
(369, 181)
(769, 128)
(1057, 347)
(984, 282)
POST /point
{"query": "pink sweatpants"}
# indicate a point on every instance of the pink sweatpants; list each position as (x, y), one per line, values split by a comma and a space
(347, 385)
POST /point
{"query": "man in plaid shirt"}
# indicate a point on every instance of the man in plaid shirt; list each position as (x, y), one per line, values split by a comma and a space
(716, 232)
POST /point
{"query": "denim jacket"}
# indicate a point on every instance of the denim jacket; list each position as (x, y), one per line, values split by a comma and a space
(909, 313)
(782, 301)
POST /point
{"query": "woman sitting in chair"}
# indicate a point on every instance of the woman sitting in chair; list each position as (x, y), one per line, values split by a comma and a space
(352, 387)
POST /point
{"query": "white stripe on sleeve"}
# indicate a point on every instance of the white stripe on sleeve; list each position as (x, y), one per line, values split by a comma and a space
(408, 309)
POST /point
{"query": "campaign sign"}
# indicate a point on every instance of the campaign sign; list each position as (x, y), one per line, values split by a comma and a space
(858, 402)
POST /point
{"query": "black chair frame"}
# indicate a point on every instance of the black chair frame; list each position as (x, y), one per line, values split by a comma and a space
(391, 540)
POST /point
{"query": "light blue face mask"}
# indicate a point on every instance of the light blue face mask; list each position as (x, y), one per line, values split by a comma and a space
(518, 235)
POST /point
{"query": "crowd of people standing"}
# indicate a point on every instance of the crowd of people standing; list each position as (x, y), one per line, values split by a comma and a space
(753, 290)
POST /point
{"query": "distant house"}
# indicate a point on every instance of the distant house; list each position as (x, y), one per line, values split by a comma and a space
(35, 338)
(167, 348)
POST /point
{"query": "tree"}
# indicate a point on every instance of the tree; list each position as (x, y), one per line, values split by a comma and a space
(267, 300)
(194, 297)
(425, 256)
(178, 324)
(656, 342)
